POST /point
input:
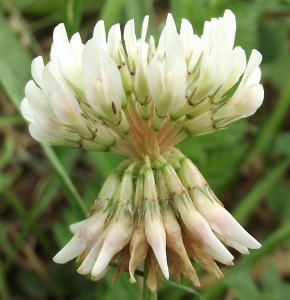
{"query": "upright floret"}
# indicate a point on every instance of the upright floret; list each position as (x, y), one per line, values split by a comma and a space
(167, 71)
(137, 99)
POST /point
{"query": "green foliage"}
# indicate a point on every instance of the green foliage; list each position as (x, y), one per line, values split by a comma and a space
(245, 288)
(245, 164)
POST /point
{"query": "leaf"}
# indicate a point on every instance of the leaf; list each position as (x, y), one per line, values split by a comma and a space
(31, 284)
(196, 12)
(271, 41)
(72, 15)
(111, 11)
(7, 180)
(243, 285)
(279, 71)
(10, 120)
(243, 211)
(278, 201)
(7, 152)
(273, 287)
(12, 54)
(216, 155)
(282, 142)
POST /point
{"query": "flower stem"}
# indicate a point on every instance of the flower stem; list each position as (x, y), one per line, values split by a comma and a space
(147, 294)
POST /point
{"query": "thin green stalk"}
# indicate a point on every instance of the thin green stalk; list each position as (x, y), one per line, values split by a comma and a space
(12, 120)
(72, 15)
(111, 11)
(74, 197)
(184, 288)
(147, 294)
(21, 211)
(12, 9)
(275, 239)
(272, 126)
(243, 211)
(38, 208)
(5, 243)
(4, 292)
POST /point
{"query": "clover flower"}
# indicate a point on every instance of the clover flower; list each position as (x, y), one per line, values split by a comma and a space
(139, 100)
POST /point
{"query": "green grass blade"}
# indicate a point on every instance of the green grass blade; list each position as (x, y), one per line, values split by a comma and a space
(12, 120)
(4, 293)
(184, 288)
(18, 207)
(22, 26)
(38, 208)
(111, 11)
(268, 132)
(243, 211)
(74, 197)
(72, 16)
(7, 152)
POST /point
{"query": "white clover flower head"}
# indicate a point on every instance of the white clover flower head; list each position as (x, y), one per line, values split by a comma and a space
(130, 97)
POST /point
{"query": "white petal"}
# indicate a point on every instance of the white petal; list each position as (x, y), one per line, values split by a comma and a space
(141, 84)
(65, 107)
(131, 44)
(66, 61)
(199, 228)
(26, 110)
(195, 54)
(29, 85)
(156, 238)
(253, 64)
(250, 100)
(186, 35)
(144, 29)
(88, 233)
(77, 49)
(170, 22)
(229, 22)
(100, 34)
(114, 41)
(237, 246)
(54, 129)
(37, 67)
(97, 65)
(222, 222)
(76, 226)
(38, 102)
(117, 235)
(101, 275)
(89, 262)
(167, 72)
(72, 249)
(43, 136)
(239, 61)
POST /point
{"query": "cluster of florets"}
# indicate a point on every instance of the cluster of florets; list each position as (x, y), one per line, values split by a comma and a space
(138, 100)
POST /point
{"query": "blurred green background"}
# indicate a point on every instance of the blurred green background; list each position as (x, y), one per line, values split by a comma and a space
(43, 190)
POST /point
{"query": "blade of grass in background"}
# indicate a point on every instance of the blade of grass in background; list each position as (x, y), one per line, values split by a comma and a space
(72, 16)
(111, 11)
(18, 207)
(12, 120)
(243, 211)
(270, 129)
(7, 248)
